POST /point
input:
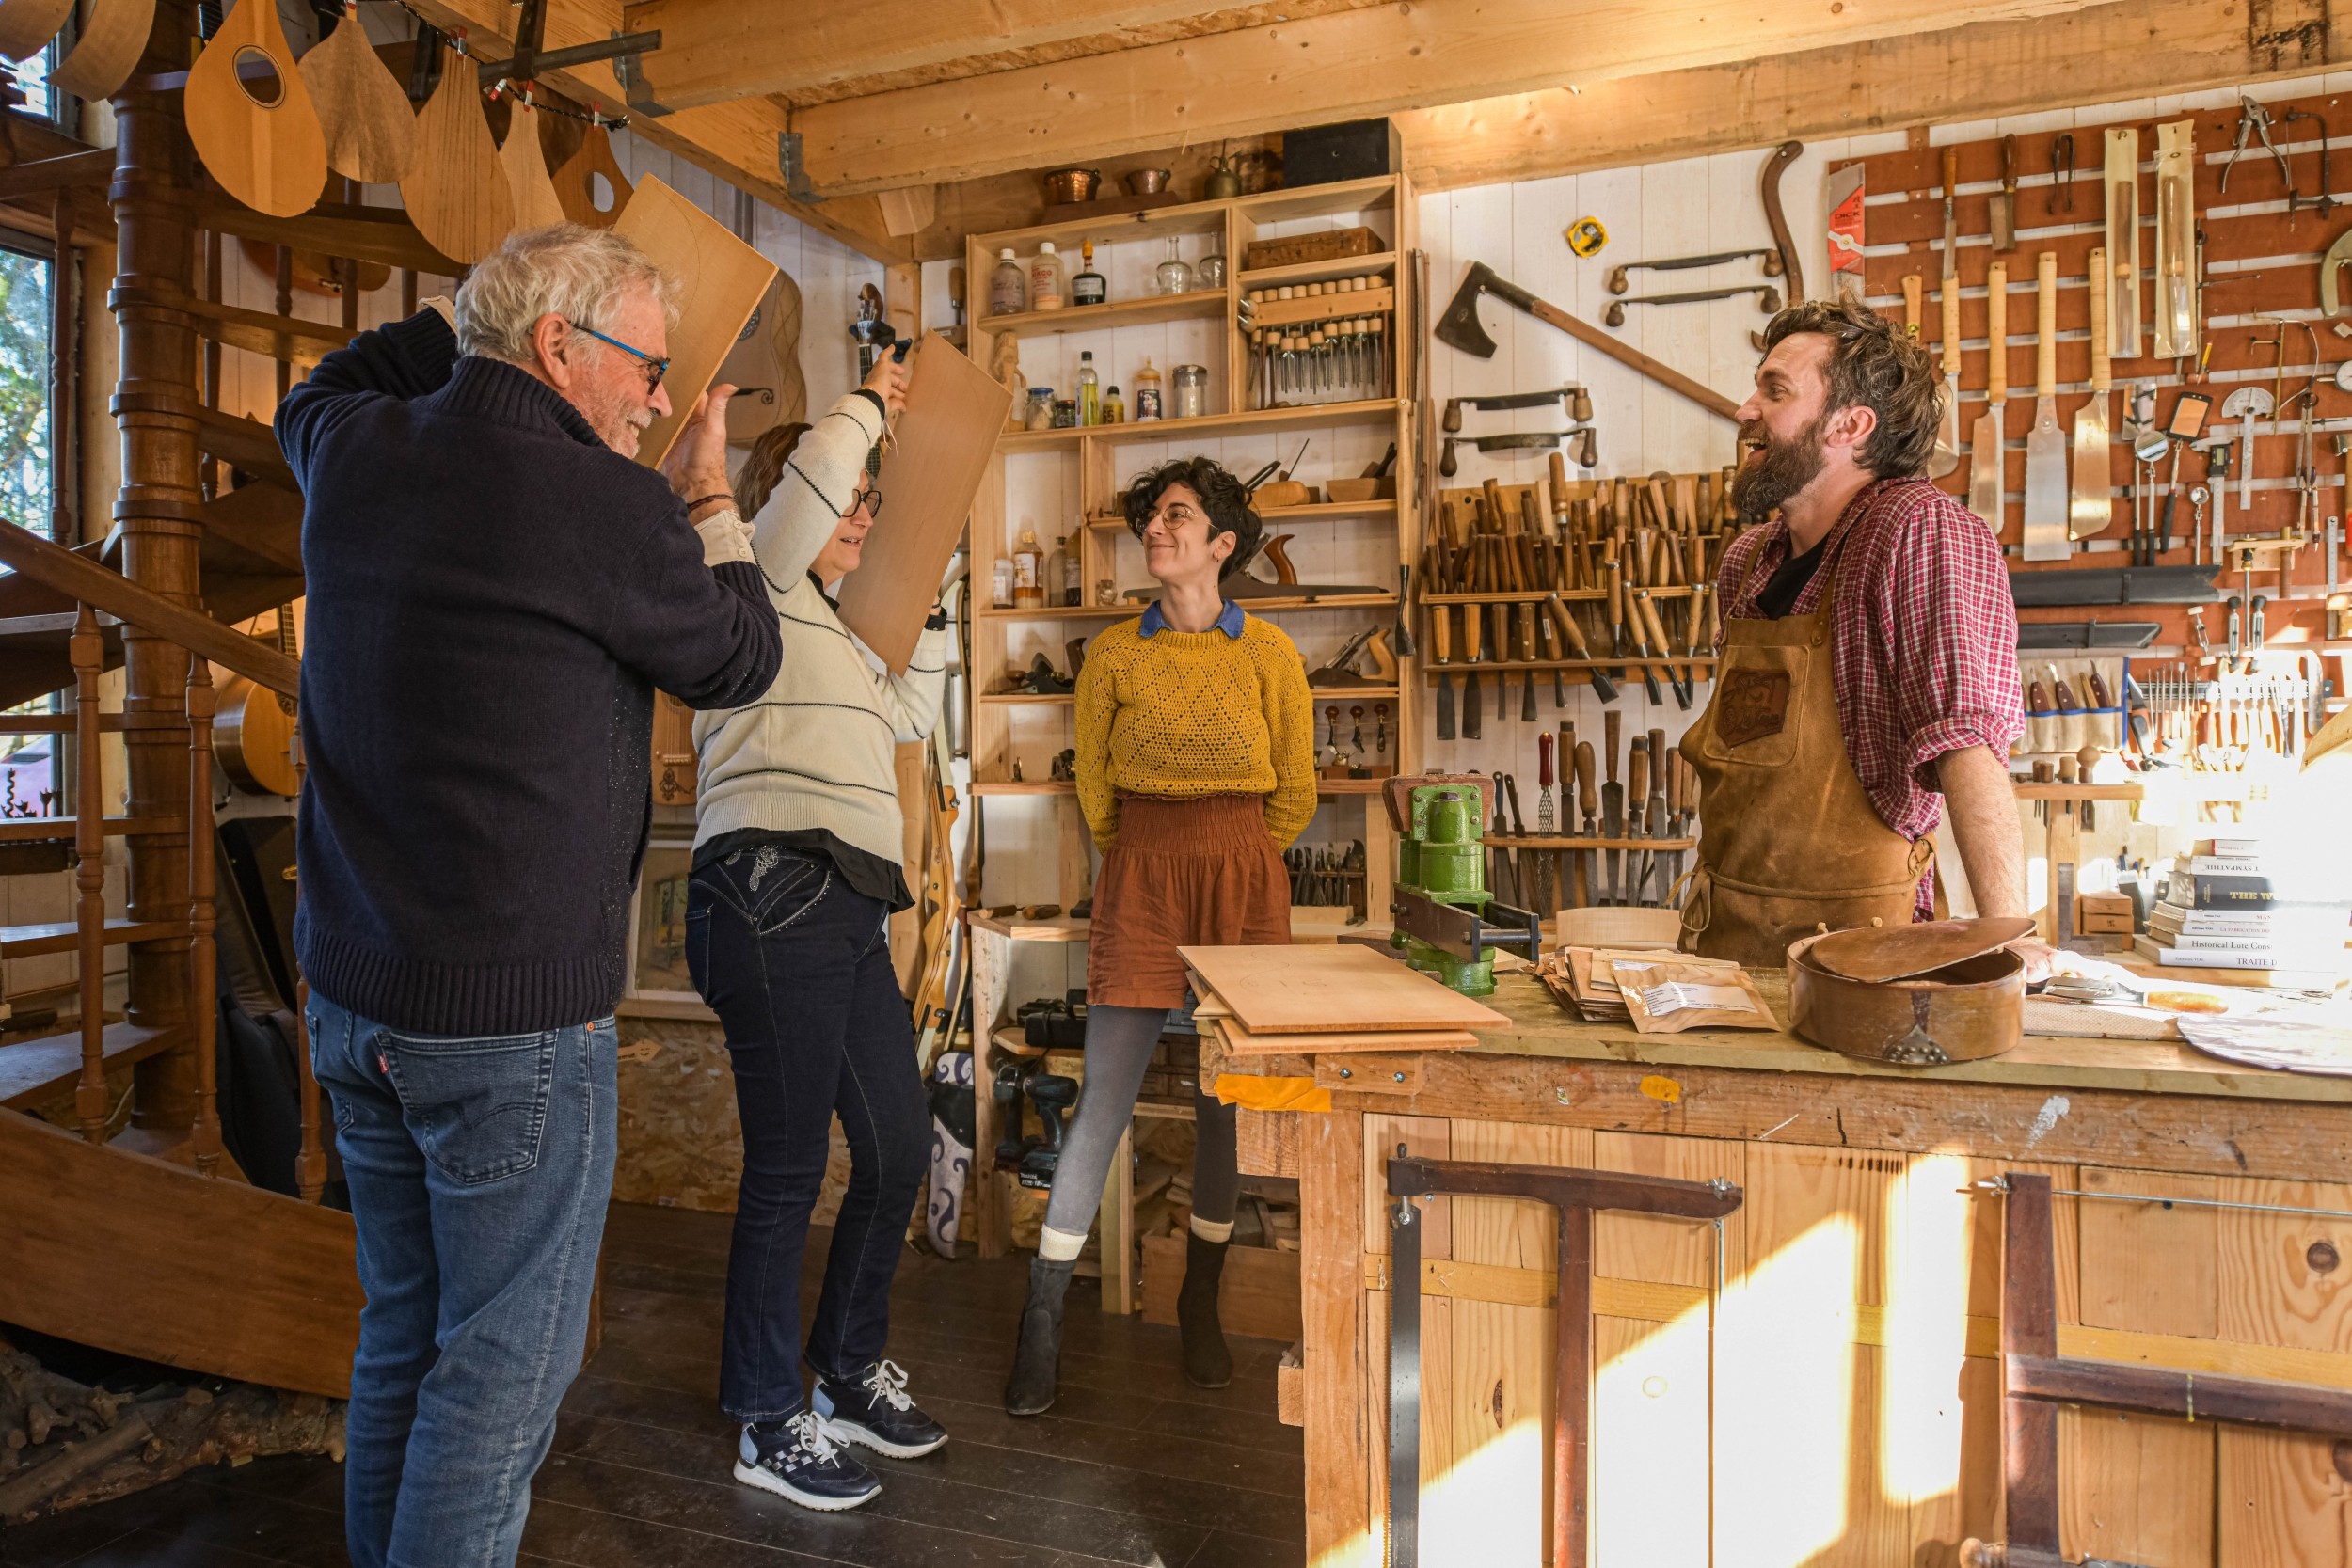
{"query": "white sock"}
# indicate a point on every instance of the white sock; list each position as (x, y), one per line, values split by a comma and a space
(1064, 1247)
(1210, 1232)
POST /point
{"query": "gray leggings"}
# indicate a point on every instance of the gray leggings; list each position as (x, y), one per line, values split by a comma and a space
(1120, 1042)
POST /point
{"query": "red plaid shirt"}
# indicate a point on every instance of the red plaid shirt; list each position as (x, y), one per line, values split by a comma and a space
(1923, 647)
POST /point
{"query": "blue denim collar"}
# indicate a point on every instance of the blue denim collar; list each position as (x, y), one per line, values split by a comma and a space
(1154, 623)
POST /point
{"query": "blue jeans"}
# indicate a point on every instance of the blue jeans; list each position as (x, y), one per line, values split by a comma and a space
(796, 963)
(480, 1170)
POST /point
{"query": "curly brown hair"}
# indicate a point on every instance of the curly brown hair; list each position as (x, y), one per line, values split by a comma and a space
(763, 465)
(1223, 498)
(1873, 364)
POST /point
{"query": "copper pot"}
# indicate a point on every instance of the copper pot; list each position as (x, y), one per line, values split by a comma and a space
(1967, 1009)
(1148, 181)
(1065, 185)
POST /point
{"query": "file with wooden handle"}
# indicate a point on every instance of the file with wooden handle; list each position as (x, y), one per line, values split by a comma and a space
(2045, 444)
(1984, 460)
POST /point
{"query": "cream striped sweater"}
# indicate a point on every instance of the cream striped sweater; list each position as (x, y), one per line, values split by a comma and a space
(816, 751)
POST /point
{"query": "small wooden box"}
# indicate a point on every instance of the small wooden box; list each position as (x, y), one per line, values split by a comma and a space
(1330, 245)
(2109, 912)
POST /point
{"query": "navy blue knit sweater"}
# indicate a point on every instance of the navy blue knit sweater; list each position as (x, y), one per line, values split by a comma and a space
(494, 595)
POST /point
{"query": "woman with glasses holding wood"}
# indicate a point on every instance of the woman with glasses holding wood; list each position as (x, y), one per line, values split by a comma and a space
(796, 874)
(1195, 769)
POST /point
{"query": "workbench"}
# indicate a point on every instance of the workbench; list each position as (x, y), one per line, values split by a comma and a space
(1816, 1381)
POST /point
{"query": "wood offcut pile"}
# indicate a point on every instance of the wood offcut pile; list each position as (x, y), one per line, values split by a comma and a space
(1308, 1000)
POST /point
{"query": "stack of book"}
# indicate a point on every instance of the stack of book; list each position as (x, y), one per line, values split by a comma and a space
(2235, 903)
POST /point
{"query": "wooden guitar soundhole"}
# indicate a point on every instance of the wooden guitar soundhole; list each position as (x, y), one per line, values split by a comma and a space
(257, 73)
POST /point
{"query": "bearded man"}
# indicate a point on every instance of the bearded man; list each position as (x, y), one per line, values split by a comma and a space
(1868, 671)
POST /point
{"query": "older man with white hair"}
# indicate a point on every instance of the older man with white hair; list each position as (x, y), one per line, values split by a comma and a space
(496, 588)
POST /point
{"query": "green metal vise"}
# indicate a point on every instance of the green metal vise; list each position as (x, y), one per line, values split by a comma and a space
(1441, 860)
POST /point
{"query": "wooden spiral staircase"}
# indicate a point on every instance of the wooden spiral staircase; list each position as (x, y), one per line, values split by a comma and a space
(151, 1243)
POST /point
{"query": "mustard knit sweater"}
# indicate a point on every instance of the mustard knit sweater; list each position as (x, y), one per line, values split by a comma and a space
(1188, 714)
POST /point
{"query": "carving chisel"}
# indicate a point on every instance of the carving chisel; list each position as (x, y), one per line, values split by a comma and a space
(2045, 444)
(1678, 819)
(1586, 802)
(1654, 864)
(1637, 787)
(1984, 463)
(1641, 646)
(1441, 642)
(1946, 455)
(1612, 799)
(1647, 609)
(1473, 627)
(1573, 636)
(2004, 200)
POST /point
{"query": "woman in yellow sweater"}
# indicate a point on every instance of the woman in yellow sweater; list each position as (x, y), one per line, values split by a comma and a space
(1196, 767)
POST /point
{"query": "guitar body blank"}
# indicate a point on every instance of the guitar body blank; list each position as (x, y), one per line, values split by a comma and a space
(109, 46)
(313, 270)
(270, 153)
(27, 25)
(370, 130)
(576, 185)
(454, 190)
(253, 735)
(765, 367)
(526, 166)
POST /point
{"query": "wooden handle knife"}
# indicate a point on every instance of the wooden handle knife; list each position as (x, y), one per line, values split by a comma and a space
(2046, 326)
(1914, 290)
(1996, 334)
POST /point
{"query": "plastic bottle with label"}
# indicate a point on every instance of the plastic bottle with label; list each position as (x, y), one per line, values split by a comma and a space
(1046, 280)
(1007, 286)
(1001, 596)
(1147, 392)
(1089, 390)
(1029, 572)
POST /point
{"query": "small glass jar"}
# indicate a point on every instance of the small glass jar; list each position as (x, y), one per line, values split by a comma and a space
(1040, 412)
(1190, 391)
(1065, 414)
(1174, 276)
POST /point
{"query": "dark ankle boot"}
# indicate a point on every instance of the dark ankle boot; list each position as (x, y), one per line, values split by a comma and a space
(1207, 1363)
(1037, 1360)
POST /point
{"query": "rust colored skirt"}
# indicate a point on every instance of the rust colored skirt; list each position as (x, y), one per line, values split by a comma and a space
(1197, 873)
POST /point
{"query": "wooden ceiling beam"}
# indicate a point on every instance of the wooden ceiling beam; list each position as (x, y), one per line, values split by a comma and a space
(737, 141)
(2101, 53)
(716, 50)
(1410, 54)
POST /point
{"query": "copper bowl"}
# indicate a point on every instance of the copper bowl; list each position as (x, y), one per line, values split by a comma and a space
(1960, 1013)
(1148, 181)
(1066, 185)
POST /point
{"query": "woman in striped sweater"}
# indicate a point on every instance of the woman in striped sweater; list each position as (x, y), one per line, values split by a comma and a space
(796, 874)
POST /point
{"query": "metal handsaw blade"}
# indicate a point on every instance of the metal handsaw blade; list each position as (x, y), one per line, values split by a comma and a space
(2046, 498)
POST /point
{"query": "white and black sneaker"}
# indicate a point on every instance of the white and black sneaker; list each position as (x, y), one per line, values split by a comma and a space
(794, 1459)
(870, 1407)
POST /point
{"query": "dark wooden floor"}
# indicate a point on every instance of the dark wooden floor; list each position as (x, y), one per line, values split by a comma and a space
(1133, 1465)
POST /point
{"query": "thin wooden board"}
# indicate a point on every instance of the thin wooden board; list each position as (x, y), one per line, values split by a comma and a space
(270, 156)
(1296, 991)
(109, 44)
(526, 166)
(1240, 1041)
(370, 128)
(576, 185)
(955, 411)
(27, 25)
(716, 280)
(454, 190)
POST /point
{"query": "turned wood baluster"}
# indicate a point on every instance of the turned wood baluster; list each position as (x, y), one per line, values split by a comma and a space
(203, 1010)
(88, 651)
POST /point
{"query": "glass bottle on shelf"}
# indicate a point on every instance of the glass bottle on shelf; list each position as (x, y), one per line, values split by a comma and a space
(1002, 596)
(1072, 581)
(1040, 411)
(1045, 278)
(1114, 409)
(1056, 565)
(1090, 287)
(1090, 391)
(1174, 277)
(1029, 572)
(1007, 286)
(1210, 273)
(1147, 392)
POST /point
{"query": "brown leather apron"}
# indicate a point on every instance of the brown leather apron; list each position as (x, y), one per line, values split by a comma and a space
(1789, 840)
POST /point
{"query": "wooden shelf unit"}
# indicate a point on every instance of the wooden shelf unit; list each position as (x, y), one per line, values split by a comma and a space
(1092, 528)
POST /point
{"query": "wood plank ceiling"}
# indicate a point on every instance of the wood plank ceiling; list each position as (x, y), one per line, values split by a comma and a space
(965, 103)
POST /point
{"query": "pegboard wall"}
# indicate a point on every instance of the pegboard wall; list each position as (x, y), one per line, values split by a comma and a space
(2261, 259)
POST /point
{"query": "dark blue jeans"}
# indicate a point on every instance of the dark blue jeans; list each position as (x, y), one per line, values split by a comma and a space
(796, 963)
(479, 1171)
